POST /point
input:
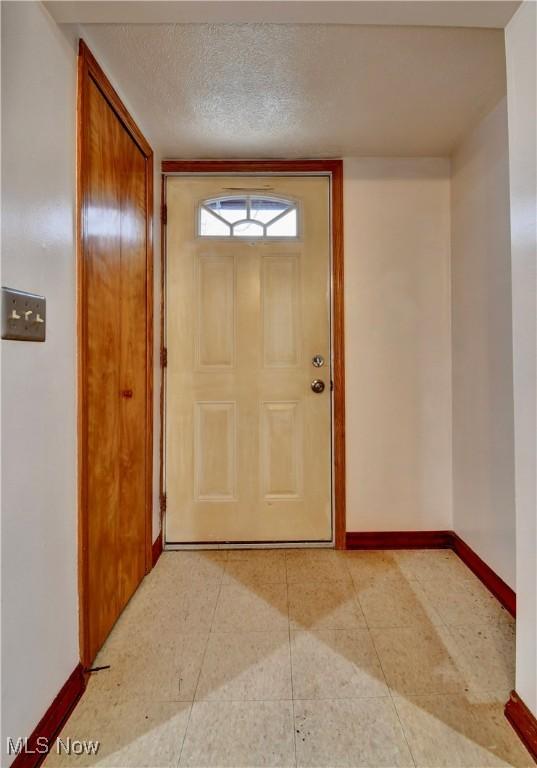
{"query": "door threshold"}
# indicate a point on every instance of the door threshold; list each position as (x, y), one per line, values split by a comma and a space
(173, 546)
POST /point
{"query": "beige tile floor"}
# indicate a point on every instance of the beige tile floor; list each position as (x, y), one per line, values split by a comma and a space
(304, 658)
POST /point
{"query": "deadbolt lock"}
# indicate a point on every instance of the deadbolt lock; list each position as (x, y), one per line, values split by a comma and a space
(317, 361)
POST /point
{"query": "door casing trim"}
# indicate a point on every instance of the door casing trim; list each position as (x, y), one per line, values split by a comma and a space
(333, 169)
(89, 69)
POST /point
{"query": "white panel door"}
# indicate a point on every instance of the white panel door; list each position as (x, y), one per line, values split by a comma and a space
(248, 441)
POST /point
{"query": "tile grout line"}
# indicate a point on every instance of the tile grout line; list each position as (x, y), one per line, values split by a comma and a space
(290, 661)
(357, 598)
(401, 726)
(383, 673)
(201, 665)
(392, 699)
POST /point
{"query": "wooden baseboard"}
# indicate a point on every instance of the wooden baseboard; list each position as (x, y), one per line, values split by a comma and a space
(523, 721)
(520, 717)
(52, 721)
(157, 549)
(437, 540)
(399, 540)
(484, 572)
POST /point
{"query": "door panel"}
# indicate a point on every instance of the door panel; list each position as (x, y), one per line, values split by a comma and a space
(102, 265)
(114, 256)
(280, 300)
(281, 450)
(131, 518)
(247, 441)
(215, 461)
(215, 346)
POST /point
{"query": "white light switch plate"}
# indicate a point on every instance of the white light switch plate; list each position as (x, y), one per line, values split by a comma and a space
(23, 315)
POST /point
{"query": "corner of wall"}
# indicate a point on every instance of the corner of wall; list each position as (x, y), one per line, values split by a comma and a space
(482, 418)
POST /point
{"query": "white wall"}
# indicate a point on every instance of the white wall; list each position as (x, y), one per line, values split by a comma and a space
(483, 460)
(521, 96)
(39, 529)
(398, 344)
(39, 503)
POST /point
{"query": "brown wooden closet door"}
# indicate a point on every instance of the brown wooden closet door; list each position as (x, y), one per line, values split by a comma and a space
(114, 253)
(132, 367)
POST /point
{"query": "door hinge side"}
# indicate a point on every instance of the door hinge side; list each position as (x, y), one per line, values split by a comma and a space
(163, 502)
(163, 357)
(164, 214)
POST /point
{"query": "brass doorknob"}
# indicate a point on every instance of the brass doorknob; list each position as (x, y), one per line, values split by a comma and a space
(317, 386)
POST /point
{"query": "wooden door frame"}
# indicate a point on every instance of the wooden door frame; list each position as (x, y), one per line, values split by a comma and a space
(334, 170)
(89, 70)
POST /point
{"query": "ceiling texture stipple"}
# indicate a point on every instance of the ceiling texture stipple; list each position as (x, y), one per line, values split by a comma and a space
(264, 90)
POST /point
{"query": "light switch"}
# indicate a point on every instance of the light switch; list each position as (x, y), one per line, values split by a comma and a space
(23, 315)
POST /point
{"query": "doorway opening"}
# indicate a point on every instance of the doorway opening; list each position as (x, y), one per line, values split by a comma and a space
(252, 399)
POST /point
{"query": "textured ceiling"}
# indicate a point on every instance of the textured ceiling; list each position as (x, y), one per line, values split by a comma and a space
(262, 90)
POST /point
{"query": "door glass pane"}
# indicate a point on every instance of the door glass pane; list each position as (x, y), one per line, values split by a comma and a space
(248, 229)
(230, 209)
(248, 216)
(210, 226)
(265, 209)
(284, 227)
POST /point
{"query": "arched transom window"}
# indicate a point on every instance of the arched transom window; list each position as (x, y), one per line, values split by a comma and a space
(251, 216)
